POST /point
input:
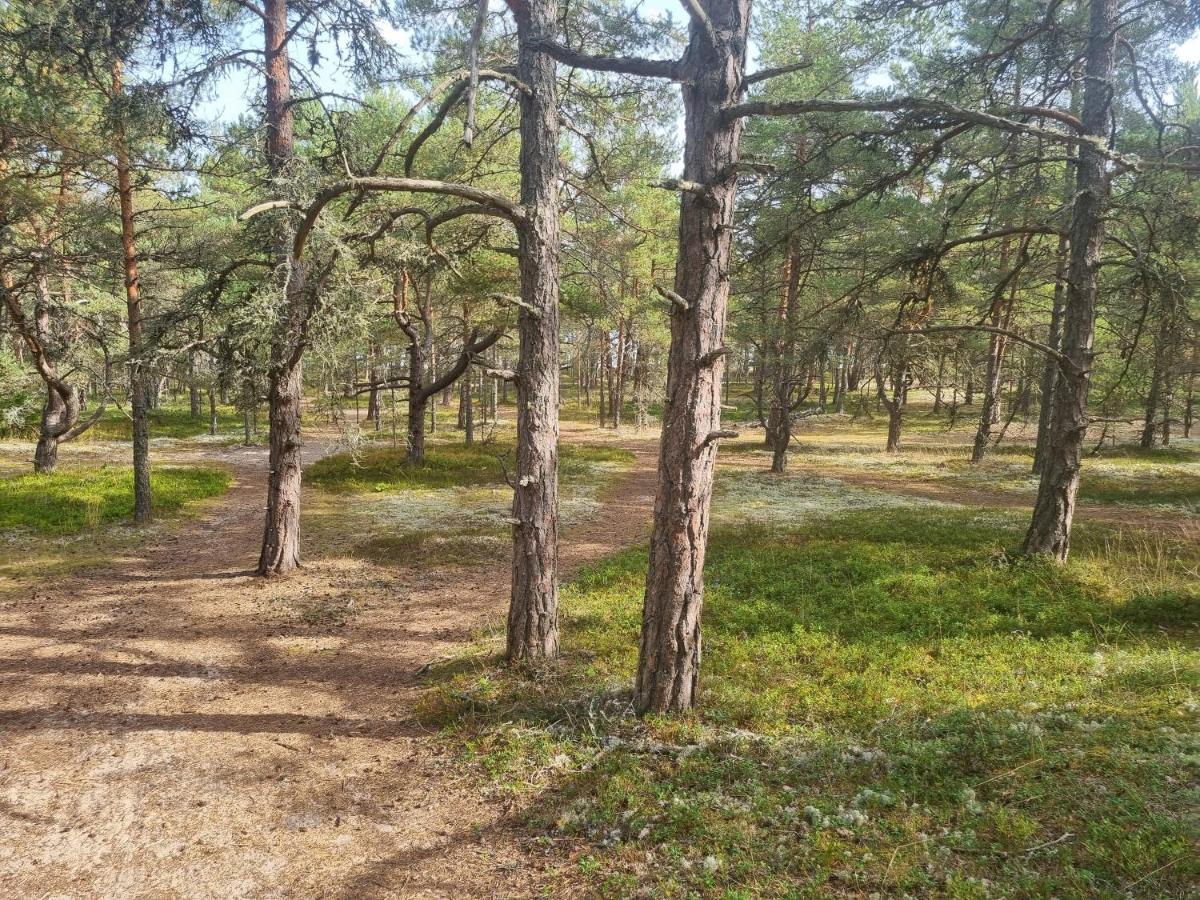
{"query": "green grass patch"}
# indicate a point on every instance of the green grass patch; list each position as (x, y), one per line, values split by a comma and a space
(892, 703)
(174, 422)
(446, 465)
(67, 502)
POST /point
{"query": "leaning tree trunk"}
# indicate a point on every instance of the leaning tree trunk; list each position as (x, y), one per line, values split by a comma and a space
(533, 609)
(281, 532)
(133, 303)
(1050, 530)
(669, 655)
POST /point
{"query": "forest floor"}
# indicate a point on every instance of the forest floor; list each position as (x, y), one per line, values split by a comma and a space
(173, 726)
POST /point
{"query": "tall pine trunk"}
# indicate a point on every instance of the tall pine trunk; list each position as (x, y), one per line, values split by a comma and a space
(533, 608)
(670, 650)
(133, 304)
(281, 532)
(1050, 530)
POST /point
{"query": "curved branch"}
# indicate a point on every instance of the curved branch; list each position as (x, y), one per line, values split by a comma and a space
(1061, 358)
(918, 105)
(495, 203)
(621, 65)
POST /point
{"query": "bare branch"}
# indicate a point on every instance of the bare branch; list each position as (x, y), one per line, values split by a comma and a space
(673, 297)
(620, 65)
(776, 71)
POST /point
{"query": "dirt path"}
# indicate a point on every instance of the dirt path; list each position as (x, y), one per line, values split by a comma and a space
(174, 727)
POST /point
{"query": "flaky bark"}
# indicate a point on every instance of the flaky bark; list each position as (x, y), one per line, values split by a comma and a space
(281, 532)
(533, 607)
(1050, 530)
(670, 651)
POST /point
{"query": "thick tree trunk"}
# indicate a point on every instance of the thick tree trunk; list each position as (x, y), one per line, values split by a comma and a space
(533, 609)
(1050, 530)
(133, 304)
(670, 650)
(281, 532)
(45, 455)
(281, 537)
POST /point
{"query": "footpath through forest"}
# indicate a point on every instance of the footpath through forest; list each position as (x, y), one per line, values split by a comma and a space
(171, 728)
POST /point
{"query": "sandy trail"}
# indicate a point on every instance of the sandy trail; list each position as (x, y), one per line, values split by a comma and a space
(172, 726)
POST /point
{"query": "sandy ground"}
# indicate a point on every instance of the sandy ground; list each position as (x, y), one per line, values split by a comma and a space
(172, 726)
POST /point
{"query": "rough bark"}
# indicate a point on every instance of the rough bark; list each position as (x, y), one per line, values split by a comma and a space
(133, 303)
(281, 532)
(670, 650)
(533, 608)
(1050, 529)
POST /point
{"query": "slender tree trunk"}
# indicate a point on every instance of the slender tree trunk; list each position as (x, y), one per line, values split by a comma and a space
(780, 422)
(533, 609)
(1151, 428)
(1051, 365)
(133, 303)
(603, 378)
(937, 389)
(670, 650)
(1050, 530)
(374, 406)
(1189, 402)
(193, 388)
(641, 373)
(618, 396)
(467, 405)
(989, 415)
(281, 532)
(212, 412)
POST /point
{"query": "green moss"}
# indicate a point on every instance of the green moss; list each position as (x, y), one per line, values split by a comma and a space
(69, 501)
(174, 422)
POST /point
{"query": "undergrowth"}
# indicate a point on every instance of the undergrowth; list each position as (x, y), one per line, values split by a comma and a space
(892, 703)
